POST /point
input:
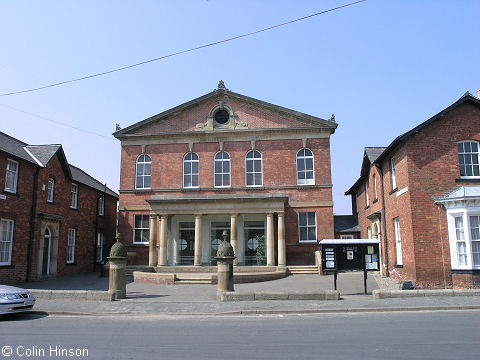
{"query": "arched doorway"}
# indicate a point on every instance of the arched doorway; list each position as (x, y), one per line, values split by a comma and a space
(47, 250)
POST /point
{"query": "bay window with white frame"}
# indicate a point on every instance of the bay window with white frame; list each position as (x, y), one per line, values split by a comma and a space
(464, 234)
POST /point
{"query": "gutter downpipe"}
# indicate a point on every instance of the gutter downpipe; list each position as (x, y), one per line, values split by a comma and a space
(384, 223)
(32, 222)
(96, 228)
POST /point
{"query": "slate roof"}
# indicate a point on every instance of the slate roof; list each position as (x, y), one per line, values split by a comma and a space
(465, 98)
(345, 223)
(318, 122)
(40, 155)
(373, 153)
(78, 175)
(14, 147)
(377, 155)
(43, 153)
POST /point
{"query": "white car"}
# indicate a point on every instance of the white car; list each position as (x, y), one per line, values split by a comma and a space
(14, 299)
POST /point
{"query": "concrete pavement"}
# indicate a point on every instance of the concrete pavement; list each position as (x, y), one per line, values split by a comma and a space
(201, 299)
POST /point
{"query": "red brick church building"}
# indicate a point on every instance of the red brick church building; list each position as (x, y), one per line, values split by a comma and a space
(226, 162)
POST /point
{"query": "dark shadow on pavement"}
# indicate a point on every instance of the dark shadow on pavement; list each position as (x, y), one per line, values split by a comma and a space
(26, 316)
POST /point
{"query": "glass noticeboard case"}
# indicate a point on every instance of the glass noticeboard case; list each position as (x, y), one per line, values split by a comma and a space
(338, 254)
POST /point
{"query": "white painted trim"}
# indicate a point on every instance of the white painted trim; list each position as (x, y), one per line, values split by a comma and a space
(33, 157)
(402, 191)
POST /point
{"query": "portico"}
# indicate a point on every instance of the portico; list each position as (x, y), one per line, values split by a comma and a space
(187, 230)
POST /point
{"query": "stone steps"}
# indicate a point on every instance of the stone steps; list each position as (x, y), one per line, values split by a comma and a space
(308, 269)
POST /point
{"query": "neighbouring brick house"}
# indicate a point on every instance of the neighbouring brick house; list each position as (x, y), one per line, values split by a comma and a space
(55, 218)
(225, 162)
(420, 196)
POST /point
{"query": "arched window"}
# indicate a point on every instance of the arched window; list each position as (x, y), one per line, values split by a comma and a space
(143, 172)
(468, 158)
(305, 175)
(253, 168)
(190, 170)
(222, 169)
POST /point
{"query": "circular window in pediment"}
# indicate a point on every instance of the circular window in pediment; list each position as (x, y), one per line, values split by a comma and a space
(222, 117)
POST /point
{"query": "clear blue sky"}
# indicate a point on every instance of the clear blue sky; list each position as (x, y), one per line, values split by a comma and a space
(381, 66)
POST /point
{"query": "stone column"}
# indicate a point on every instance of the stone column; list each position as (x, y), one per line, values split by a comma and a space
(270, 244)
(162, 250)
(198, 240)
(152, 255)
(282, 259)
(233, 237)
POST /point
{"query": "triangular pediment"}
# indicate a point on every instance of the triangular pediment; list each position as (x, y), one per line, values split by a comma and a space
(243, 113)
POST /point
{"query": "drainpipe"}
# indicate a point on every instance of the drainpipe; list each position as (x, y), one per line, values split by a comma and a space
(384, 216)
(32, 222)
(96, 228)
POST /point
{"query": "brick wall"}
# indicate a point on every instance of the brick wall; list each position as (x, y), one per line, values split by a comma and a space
(18, 207)
(426, 164)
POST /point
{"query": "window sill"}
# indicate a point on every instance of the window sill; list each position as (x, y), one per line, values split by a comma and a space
(9, 266)
(50, 202)
(307, 243)
(471, 179)
(367, 207)
(465, 271)
(74, 208)
(139, 244)
(375, 201)
(12, 193)
(398, 266)
(71, 263)
(393, 191)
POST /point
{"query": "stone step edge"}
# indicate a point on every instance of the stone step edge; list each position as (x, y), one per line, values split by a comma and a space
(387, 294)
(291, 295)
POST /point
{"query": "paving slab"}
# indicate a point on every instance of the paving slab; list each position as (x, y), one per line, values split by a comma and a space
(201, 299)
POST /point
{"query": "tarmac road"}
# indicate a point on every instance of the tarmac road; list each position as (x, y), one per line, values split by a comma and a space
(405, 335)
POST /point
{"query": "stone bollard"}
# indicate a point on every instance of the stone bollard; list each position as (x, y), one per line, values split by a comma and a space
(118, 266)
(225, 257)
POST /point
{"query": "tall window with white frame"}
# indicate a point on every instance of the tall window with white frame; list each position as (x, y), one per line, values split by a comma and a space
(375, 186)
(367, 196)
(393, 172)
(190, 170)
(51, 190)
(468, 158)
(6, 241)
(71, 246)
(398, 241)
(101, 205)
(11, 177)
(461, 244)
(74, 203)
(253, 168)
(475, 239)
(143, 172)
(222, 169)
(305, 172)
(141, 231)
(99, 247)
(307, 226)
